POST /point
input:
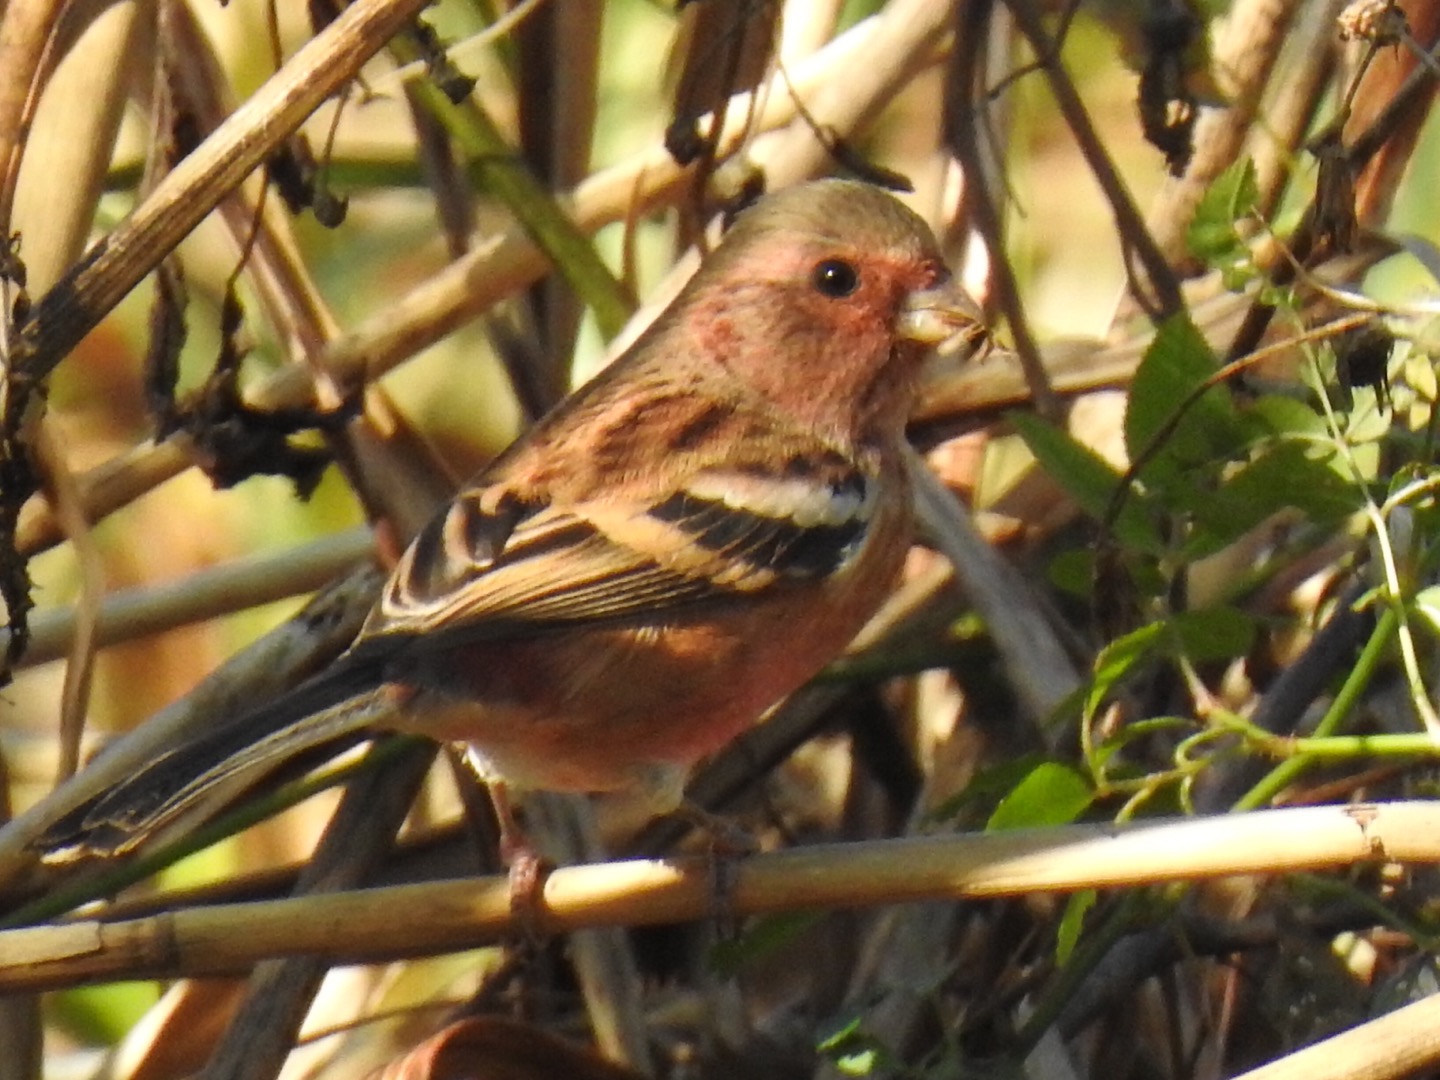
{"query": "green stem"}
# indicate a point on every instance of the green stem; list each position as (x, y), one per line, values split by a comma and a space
(1341, 747)
(1360, 675)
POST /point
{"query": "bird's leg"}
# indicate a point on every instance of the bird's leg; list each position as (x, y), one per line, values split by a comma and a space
(526, 866)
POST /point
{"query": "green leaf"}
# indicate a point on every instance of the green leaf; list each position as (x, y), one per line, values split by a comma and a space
(1072, 922)
(854, 1051)
(1117, 659)
(1089, 479)
(1368, 423)
(1287, 474)
(1212, 236)
(1214, 634)
(1308, 476)
(983, 793)
(105, 1013)
(1177, 363)
(1052, 794)
(1073, 571)
(1288, 416)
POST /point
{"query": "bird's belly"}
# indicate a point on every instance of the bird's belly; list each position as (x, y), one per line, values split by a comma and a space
(600, 710)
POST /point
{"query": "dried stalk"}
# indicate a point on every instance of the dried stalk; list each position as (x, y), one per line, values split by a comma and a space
(1245, 57)
(497, 268)
(207, 594)
(449, 916)
(119, 261)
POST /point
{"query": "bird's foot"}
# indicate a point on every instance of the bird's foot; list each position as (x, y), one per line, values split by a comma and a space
(527, 868)
(728, 844)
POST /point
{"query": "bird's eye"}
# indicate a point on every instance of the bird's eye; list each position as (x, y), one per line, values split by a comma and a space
(835, 278)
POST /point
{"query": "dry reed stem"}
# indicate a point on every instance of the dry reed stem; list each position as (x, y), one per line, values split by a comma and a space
(454, 915)
(280, 991)
(207, 594)
(497, 267)
(265, 668)
(181, 200)
(1396, 1045)
(1300, 88)
(1035, 660)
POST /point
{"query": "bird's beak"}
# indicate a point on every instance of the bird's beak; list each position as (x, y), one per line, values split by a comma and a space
(941, 313)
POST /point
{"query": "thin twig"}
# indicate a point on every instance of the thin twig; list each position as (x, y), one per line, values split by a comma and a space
(79, 671)
(981, 197)
(1133, 231)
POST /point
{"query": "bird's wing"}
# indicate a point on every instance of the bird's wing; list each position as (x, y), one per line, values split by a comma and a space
(494, 564)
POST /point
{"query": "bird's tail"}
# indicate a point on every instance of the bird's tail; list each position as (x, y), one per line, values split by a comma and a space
(334, 706)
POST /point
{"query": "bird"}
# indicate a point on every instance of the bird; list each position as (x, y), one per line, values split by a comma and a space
(674, 548)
